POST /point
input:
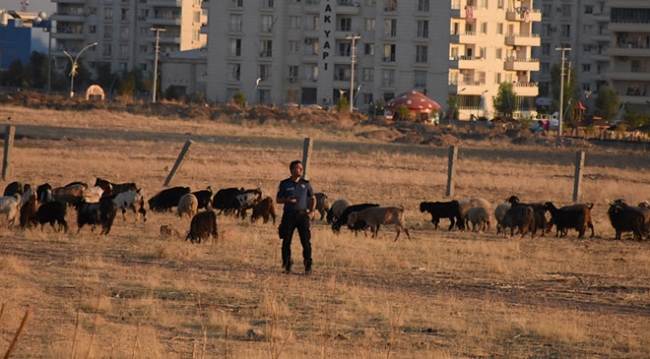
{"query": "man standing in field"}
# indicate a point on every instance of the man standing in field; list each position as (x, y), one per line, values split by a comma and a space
(294, 193)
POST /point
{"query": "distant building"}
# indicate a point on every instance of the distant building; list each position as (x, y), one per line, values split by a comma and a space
(185, 72)
(18, 37)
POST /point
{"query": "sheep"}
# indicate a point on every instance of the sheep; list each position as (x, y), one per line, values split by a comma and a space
(479, 216)
(576, 216)
(188, 205)
(521, 217)
(466, 204)
(10, 206)
(499, 213)
(439, 210)
(538, 209)
(264, 209)
(374, 216)
(337, 209)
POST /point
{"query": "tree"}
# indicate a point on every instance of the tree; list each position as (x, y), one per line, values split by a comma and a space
(14, 76)
(240, 99)
(607, 103)
(342, 104)
(36, 70)
(506, 100)
(402, 113)
(571, 93)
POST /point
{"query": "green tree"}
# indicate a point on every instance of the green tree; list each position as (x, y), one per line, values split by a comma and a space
(128, 83)
(607, 103)
(402, 113)
(342, 104)
(36, 70)
(105, 77)
(14, 76)
(240, 99)
(571, 93)
(506, 99)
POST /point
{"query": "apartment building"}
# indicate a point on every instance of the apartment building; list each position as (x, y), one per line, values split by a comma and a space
(629, 71)
(581, 26)
(301, 51)
(122, 30)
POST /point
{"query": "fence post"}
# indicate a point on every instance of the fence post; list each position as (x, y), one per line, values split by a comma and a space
(306, 152)
(179, 161)
(579, 164)
(451, 170)
(10, 131)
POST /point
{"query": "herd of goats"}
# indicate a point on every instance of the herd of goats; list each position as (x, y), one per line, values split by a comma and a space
(98, 205)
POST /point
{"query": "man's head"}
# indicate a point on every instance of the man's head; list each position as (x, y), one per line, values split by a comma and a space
(296, 168)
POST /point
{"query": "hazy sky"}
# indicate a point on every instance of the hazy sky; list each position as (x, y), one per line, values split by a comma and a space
(34, 5)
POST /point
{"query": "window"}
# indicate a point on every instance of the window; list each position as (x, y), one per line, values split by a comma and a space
(196, 34)
(546, 49)
(235, 47)
(345, 24)
(125, 14)
(484, 28)
(313, 73)
(144, 49)
(293, 73)
(267, 23)
(367, 74)
(124, 50)
(294, 22)
(423, 5)
(341, 72)
(267, 48)
(421, 54)
(265, 97)
(235, 23)
(389, 53)
(497, 78)
(500, 28)
(312, 23)
(294, 46)
(544, 67)
(499, 54)
(589, 9)
(107, 50)
(566, 10)
(108, 31)
(265, 72)
(547, 10)
(566, 30)
(92, 29)
(237, 3)
(586, 67)
(369, 49)
(391, 28)
(388, 77)
(420, 79)
(423, 28)
(197, 16)
(370, 24)
(108, 13)
(500, 4)
(343, 48)
(124, 33)
(267, 4)
(367, 98)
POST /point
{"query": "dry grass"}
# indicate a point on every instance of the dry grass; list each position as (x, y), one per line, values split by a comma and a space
(442, 294)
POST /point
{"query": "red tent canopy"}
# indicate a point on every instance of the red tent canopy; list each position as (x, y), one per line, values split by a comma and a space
(415, 101)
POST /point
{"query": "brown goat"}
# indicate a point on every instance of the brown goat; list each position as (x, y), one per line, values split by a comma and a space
(374, 216)
(264, 209)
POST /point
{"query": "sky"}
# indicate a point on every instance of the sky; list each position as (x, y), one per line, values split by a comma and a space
(34, 5)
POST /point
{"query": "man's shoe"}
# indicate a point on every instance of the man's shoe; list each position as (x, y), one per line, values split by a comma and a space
(307, 271)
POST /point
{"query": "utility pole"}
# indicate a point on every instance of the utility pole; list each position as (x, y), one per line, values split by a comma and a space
(353, 59)
(155, 63)
(560, 115)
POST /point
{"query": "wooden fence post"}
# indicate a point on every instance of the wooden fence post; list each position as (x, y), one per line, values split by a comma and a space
(306, 152)
(577, 180)
(451, 170)
(10, 131)
(179, 161)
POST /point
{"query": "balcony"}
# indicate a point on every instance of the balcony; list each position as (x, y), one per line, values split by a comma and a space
(598, 17)
(205, 4)
(347, 7)
(469, 37)
(204, 28)
(602, 38)
(523, 40)
(63, 17)
(68, 35)
(162, 21)
(628, 27)
(312, 7)
(600, 57)
(458, 12)
(165, 3)
(466, 62)
(470, 87)
(528, 89)
(524, 14)
(620, 75)
(515, 64)
(629, 50)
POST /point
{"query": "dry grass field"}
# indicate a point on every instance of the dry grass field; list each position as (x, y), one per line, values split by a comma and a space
(134, 294)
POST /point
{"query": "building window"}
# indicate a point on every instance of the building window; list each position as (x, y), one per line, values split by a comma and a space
(546, 49)
(370, 24)
(341, 72)
(144, 49)
(313, 73)
(423, 5)
(566, 30)
(235, 23)
(124, 50)
(391, 28)
(344, 49)
(369, 49)
(267, 4)
(367, 98)
(293, 73)
(294, 46)
(265, 97)
(108, 13)
(586, 67)
(367, 74)
(265, 72)
(497, 78)
(589, 9)
(267, 23)
(566, 10)
(294, 22)
(423, 28)
(544, 67)
(235, 47)
(237, 3)
(312, 24)
(500, 4)
(499, 54)
(108, 31)
(195, 34)
(107, 50)
(92, 29)
(124, 33)
(421, 54)
(484, 28)
(125, 14)
(547, 10)
(389, 53)
(388, 77)
(197, 17)
(420, 79)
(267, 48)
(345, 24)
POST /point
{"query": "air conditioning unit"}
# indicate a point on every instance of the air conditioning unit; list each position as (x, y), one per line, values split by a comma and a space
(308, 41)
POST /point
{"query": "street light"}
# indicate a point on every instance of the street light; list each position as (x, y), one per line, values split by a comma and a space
(353, 59)
(73, 71)
(559, 127)
(453, 111)
(257, 83)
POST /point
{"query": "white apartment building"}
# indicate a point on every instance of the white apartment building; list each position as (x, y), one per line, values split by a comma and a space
(122, 29)
(582, 26)
(301, 51)
(629, 71)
